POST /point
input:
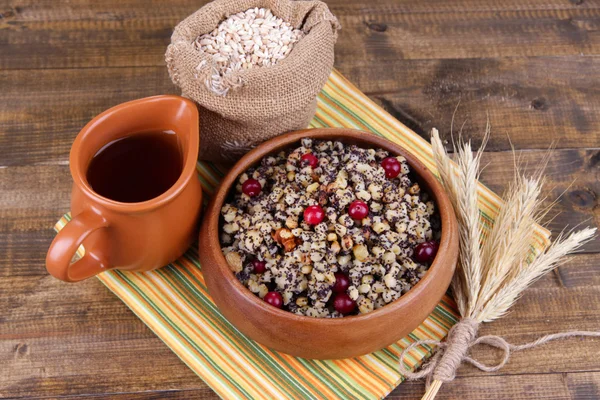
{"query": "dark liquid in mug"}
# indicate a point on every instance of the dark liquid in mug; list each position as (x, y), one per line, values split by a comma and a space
(136, 168)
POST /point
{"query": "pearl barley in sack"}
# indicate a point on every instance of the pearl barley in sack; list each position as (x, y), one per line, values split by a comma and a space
(248, 95)
(251, 38)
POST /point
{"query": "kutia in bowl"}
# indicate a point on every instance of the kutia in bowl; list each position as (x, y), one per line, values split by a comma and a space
(371, 321)
(327, 230)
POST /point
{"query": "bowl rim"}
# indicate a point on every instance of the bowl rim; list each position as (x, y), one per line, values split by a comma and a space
(448, 240)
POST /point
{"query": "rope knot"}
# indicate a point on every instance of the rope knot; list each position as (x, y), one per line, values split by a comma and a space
(459, 341)
(455, 350)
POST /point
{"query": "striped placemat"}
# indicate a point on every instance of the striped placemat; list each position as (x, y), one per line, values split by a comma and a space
(174, 303)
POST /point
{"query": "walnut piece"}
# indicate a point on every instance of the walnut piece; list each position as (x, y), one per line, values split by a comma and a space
(234, 259)
(285, 238)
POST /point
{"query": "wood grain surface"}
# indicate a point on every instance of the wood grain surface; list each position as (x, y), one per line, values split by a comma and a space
(531, 68)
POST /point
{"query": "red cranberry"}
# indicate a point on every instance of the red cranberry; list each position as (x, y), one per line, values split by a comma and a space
(425, 252)
(358, 209)
(392, 167)
(311, 159)
(259, 266)
(313, 215)
(341, 283)
(343, 303)
(251, 187)
(274, 299)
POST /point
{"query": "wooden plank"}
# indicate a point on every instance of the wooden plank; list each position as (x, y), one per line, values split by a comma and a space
(550, 387)
(378, 32)
(43, 308)
(42, 111)
(535, 101)
(107, 358)
(583, 386)
(575, 386)
(522, 387)
(572, 180)
(60, 339)
(204, 393)
(485, 34)
(580, 386)
(31, 200)
(581, 270)
(50, 10)
(31, 193)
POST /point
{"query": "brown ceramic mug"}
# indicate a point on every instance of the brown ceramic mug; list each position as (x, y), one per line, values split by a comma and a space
(130, 236)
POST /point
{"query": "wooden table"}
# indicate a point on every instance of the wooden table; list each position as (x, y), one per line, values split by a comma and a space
(532, 68)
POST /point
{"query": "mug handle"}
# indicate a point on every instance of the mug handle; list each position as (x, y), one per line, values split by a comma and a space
(65, 245)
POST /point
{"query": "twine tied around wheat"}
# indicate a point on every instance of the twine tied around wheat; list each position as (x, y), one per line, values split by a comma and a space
(491, 273)
(450, 354)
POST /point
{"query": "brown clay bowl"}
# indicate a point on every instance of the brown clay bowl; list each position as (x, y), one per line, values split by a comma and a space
(325, 338)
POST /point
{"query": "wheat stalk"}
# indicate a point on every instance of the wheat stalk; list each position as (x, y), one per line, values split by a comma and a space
(495, 268)
(461, 185)
(525, 274)
(510, 237)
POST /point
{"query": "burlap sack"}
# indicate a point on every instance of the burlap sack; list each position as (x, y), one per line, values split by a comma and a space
(271, 100)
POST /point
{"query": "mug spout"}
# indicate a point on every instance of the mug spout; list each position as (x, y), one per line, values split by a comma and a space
(185, 120)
